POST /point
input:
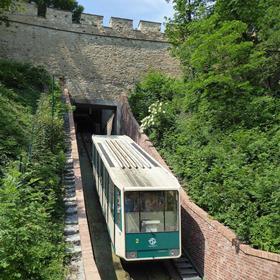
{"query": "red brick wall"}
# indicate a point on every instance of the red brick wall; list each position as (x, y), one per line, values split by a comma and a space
(212, 247)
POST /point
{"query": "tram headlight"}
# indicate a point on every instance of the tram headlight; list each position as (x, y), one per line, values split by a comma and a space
(174, 252)
(131, 255)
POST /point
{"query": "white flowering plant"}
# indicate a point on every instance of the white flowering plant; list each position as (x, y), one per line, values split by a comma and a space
(159, 120)
(153, 120)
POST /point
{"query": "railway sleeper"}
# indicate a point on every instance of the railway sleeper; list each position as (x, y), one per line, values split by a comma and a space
(71, 219)
(70, 187)
(73, 239)
(186, 269)
(69, 199)
(70, 203)
(68, 178)
(74, 250)
(71, 210)
(184, 265)
(68, 172)
(71, 193)
(71, 229)
(191, 278)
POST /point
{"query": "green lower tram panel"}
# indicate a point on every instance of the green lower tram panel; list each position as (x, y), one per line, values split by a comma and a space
(152, 245)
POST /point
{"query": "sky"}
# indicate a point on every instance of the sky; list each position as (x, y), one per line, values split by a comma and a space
(150, 10)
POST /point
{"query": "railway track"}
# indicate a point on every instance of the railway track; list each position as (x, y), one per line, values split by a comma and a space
(153, 270)
(177, 269)
(185, 268)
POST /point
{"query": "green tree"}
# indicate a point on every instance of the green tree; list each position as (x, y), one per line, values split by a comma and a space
(67, 5)
(186, 11)
(223, 140)
(29, 239)
(7, 6)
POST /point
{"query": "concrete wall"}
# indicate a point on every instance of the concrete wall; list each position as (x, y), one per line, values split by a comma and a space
(213, 248)
(98, 62)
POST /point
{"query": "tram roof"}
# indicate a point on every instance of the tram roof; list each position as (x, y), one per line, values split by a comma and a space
(130, 167)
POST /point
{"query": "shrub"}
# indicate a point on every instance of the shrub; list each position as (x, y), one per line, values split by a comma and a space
(32, 160)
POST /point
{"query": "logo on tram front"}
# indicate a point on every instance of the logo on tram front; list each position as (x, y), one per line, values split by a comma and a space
(153, 242)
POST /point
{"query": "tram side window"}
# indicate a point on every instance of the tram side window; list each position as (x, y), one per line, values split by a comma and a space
(95, 158)
(118, 208)
(111, 195)
(131, 205)
(171, 211)
(103, 175)
(106, 183)
(100, 172)
(93, 155)
(97, 169)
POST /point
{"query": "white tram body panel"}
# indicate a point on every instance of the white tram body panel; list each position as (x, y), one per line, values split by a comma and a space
(139, 198)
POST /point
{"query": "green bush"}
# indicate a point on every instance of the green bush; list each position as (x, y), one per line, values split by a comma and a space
(220, 130)
(32, 160)
(31, 245)
(26, 80)
(14, 126)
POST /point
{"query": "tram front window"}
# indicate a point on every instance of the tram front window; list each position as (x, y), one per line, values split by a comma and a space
(151, 211)
(131, 207)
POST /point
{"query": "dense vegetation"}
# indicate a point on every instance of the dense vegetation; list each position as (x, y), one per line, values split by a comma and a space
(31, 163)
(7, 6)
(218, 127)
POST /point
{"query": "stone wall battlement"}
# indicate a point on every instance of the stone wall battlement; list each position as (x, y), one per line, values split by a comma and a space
(89, 23)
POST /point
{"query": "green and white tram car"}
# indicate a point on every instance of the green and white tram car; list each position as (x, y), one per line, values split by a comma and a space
(139, 198)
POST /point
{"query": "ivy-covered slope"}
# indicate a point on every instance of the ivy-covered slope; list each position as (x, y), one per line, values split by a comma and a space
(31, 162)
(218, 127)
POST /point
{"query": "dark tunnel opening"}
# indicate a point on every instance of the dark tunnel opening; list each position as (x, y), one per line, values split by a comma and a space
(95, 119)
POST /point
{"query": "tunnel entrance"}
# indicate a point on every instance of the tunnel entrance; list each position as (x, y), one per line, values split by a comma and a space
(96, 119)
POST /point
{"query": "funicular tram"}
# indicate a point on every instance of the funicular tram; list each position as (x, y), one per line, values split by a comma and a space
(139, 198)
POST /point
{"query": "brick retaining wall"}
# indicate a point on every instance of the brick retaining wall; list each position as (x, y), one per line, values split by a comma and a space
(213, 248)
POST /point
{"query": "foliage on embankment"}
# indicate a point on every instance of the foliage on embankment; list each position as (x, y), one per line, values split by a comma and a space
(32, 159)
(218, 128)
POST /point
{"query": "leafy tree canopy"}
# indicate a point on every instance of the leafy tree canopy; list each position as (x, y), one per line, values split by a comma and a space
(219, 127)
(7, 6)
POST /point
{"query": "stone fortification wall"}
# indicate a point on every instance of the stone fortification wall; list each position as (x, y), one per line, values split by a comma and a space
(98, 62)
(213, 248)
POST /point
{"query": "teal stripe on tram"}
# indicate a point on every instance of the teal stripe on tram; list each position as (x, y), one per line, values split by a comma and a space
(152, 241)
